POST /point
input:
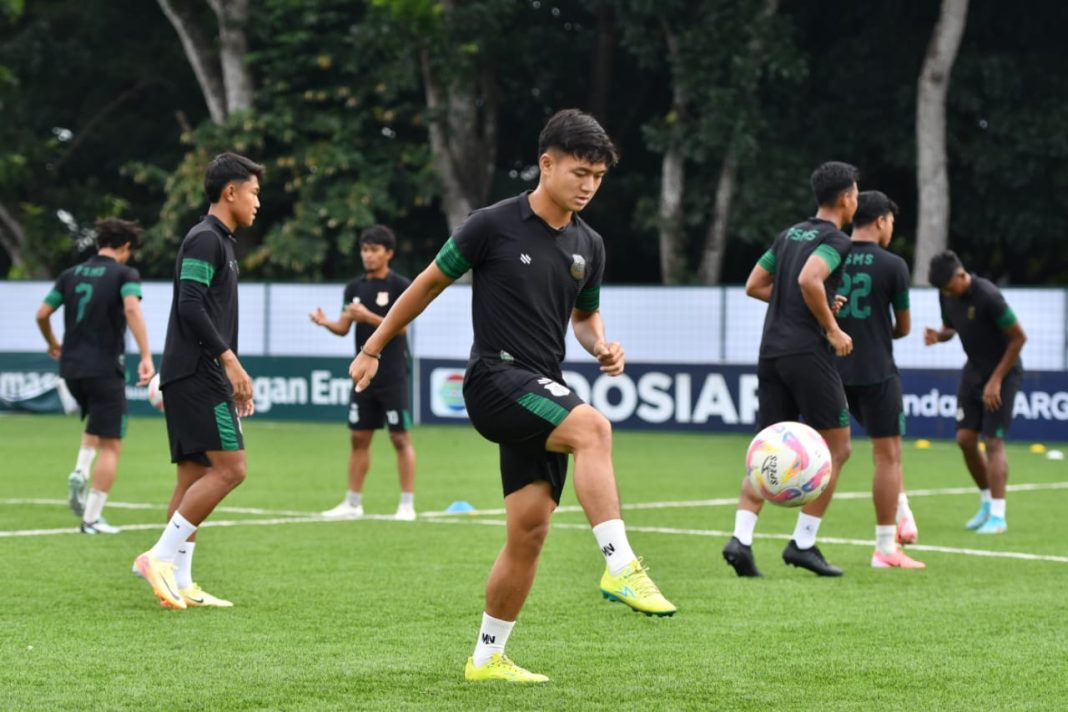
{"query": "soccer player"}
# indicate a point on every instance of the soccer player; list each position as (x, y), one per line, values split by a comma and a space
(205, 388)
(536, 264)
(992, 338)
(874, 284)
(798, 277)
(101, 297)
(366, 301)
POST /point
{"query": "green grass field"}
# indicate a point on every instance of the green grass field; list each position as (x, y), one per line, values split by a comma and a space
(383, 614)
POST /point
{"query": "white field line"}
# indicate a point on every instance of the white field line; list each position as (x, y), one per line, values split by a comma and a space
(145, 505)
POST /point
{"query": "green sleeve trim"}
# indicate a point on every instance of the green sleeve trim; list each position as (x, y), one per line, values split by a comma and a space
(543, 408)
(901, 300)
(829, 255)
(131, 289)
(54, 299)
(767, 261)
(1007, 319)
(589, 300)
(197, 271)
(451, 261)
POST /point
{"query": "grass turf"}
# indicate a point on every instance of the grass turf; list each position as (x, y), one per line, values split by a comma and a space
(382, 614)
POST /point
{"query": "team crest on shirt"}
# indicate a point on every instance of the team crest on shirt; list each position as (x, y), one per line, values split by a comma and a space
(382, 299)
(578, 267)
(971, 313)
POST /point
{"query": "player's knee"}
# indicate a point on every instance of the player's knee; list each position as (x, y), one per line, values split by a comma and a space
(967, 439)
(841, 452)
(400, 441)
(234, 474)
(530, 539)
(596, 430)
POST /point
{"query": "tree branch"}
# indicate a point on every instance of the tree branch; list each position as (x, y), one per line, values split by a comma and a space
(198, 52)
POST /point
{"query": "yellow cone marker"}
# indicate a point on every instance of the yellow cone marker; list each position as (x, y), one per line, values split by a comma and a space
(1038, 448)
(923, 444)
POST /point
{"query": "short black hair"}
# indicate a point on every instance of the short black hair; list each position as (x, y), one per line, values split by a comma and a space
(942, 269)
(577, 133)
(378, 235)
(225, 168)
(872, 205)
(115, 232)
(831, 179)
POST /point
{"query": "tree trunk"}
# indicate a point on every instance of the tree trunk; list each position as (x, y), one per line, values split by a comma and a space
(711, 267)
(13, 241)
(233, 52)
(932, 229)
(198, 51)
(672, 224)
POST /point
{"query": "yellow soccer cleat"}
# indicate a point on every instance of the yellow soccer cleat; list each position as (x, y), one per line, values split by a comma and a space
(196, 597)
(634, 587)
(500, 667)
(160, 576)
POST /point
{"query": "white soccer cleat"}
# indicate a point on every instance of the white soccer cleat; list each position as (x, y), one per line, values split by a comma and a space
(343, 511)
(100, 526)
(405, 513)
(76, 493)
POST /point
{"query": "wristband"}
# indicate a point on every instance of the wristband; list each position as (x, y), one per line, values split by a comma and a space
(368, 353)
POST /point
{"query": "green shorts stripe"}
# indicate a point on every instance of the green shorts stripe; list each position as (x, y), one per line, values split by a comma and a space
(225, 423)
(543, 408)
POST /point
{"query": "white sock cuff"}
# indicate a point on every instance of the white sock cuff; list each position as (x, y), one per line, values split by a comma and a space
(985, 496)
(744, 526)
(997, 508)
(806, 530)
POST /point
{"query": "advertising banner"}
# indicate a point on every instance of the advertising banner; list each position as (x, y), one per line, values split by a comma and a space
(709, 398)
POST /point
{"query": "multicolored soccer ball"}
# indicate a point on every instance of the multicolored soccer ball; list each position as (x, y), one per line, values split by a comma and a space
(788, 464)
(155, 395)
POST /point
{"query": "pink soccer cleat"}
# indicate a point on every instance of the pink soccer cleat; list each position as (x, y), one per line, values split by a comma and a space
(898, 560)
(907, 532)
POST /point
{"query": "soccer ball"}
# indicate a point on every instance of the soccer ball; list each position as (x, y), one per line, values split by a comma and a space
(788, 464)
(155, 395)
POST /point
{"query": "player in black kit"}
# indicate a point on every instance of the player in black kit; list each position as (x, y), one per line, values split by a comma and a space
(876, 283)
(100, 297)
(366, 301)
(992, 338)
(798, 277)
(536, 265)
(206, 391)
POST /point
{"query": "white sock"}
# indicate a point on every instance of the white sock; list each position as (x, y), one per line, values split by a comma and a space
(997, 508)
(407, 500)
(355, 499)
(985, 496)
(612, 538)
(903, 509)
(94, 505)
(492, 637)
(884, 538)
(85, 459)
(744, 526)
(805, 531)
(177, 531)
(183, 562)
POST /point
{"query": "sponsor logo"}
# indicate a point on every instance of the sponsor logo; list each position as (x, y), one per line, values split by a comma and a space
(525, 258)
(608, 550)
(488, 639)
(553, 387)
(447, 393)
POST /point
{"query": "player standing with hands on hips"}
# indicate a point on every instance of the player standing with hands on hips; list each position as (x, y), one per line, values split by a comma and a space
(536, 265)
(205, 388)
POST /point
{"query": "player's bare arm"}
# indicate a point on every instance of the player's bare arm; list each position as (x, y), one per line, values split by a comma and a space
(589, 331)
(992, 390)
(423, 290)
(758, 285)
(340, 327)
(135, 320)
(44, 323)
(932, 336)
(902, 323)
(811, 280)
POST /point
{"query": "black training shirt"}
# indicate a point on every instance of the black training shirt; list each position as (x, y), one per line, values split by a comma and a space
(527, 278)
(378, 295)
(980, 316)
(203, 321)
(94, 317)
(789, 326)
(874, 282)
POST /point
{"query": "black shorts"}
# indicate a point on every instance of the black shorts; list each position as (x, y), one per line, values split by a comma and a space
(972, 413)
(878, 408)
(103, 401)
(201, 417)
(518, 409)
(805, 386)
(370, 409)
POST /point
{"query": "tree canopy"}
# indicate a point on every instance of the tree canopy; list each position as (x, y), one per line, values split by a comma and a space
(411, 112)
